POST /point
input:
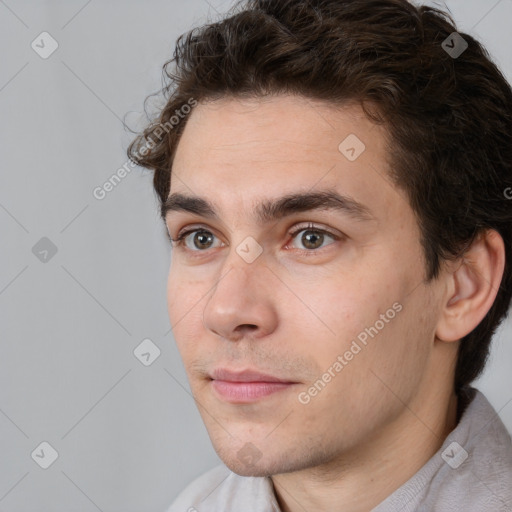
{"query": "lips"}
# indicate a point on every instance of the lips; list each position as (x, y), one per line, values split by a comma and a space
(245, 376)
(246, 386)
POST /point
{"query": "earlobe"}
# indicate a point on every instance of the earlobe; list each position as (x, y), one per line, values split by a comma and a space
(472, 286)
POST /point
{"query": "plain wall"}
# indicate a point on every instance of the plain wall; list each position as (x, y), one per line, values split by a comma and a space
(128, 436)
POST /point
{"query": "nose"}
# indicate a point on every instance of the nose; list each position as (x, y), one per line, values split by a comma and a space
(242, 303)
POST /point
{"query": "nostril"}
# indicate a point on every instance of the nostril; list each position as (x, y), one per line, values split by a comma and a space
(248, 327)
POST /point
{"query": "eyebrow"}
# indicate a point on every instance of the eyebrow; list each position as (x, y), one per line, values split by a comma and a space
(274, 209)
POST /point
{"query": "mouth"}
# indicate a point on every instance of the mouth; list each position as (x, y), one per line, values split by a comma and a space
(246, 386)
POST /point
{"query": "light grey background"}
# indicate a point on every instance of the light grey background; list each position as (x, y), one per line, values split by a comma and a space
(128, 436)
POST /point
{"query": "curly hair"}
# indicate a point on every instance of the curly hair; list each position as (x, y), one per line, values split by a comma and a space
(448, 117)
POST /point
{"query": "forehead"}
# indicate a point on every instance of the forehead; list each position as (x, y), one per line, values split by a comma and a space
(292, 127)
(238, 151)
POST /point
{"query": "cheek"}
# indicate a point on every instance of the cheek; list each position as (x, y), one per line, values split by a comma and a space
(344, 306)
(174, 297)
(367, 326)
(185, 304)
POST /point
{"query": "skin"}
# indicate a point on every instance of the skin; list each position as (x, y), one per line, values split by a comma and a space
(291, 314)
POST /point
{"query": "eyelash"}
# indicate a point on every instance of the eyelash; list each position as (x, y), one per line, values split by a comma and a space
(180, 240)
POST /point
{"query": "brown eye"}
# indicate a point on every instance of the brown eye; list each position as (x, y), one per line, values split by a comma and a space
(202, 239)
(312, 239)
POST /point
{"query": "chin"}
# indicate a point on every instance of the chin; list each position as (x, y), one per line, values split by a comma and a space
(249, 461)
(242, 470)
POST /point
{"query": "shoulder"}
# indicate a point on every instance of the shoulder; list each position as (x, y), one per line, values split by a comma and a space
(221, 489)
(472, 471)
(475, 471)
(489, 453)
(199, 489)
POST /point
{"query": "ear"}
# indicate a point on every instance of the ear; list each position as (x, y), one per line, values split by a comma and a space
(472, 285)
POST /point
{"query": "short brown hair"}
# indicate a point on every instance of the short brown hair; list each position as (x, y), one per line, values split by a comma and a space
(449, 118)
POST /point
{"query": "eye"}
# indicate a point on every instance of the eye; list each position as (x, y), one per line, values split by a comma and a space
(202, 239)
(313, 237)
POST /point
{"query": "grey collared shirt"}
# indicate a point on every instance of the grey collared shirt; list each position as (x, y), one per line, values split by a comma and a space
(471, 472)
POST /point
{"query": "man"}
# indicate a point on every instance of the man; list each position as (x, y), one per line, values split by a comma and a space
(333, 177)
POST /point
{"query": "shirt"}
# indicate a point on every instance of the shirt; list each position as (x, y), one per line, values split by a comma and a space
(471, 472)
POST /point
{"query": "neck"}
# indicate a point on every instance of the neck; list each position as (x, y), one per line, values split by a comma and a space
(368, 474)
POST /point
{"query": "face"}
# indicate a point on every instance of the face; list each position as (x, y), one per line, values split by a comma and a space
(329, 300)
